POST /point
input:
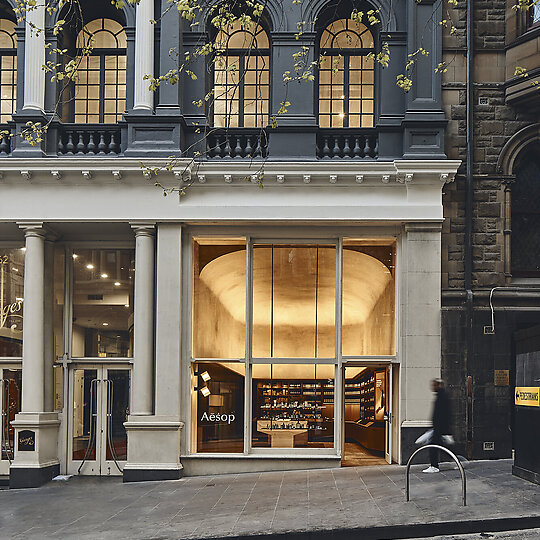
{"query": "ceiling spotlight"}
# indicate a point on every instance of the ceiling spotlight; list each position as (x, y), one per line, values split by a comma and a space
(205, 376)
(104, 276)
(15, 269)
(90, 266)
(105, 324)
(205, 391)
(126, 305)
(75, 256)
(23, 249)
(341, 115)
(117, 284)
(19, 299)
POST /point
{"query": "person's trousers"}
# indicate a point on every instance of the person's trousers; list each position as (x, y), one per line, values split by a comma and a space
(434, 452)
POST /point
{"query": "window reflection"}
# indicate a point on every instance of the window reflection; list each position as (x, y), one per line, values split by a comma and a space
(346, 75)
(241, 76)
(218, 407)
(8, 69)
(103, 282)
(100, 88)
(11, 301)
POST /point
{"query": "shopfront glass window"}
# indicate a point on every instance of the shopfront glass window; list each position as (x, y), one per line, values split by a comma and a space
(218, 392)
(368, 310)
(294, 301)
(11, 301)
(103, 281)
(293, 406)
(10, 405)
(219, 297)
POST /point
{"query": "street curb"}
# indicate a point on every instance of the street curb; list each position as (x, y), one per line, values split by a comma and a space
(396, 532)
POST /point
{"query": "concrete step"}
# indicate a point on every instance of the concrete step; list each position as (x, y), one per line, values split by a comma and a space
(4, 480)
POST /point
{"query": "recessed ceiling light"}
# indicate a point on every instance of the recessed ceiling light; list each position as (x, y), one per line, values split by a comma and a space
(90, 266)
(105, 324)
(19, 299)
(205, 376)
(205, 391)
(75, 256)
(126, 305)
(15, 269)
(117, 284)
(104, 276)
(23, 249)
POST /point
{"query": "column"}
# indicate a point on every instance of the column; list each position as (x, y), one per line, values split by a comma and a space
(143, 323)
(33, 388)
(36, 428)
(144, 55)
(34, 59)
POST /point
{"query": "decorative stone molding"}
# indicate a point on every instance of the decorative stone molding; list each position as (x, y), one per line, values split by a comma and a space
(87, 175)
(280, 178)
(27, 175)
(227, 178)
(359, 178)
(307, 178)
(117, 175)
(333, 178)
(201, 178)
(57, 175)
(385, 178)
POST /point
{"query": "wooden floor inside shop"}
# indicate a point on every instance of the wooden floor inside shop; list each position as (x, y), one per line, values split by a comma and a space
(356, 456)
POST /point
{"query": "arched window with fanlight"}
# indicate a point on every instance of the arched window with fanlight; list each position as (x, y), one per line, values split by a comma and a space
(8, 70)
(346, 75)
(241, 76)
(100, 88)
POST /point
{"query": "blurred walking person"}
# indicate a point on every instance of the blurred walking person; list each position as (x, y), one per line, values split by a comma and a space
(440, 421)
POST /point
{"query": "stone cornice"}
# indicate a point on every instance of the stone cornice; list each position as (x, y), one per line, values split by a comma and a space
(336, 173)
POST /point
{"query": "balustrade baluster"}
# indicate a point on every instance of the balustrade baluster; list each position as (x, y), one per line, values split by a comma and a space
(346, 148)
(357, 151)
(113, 146)
(228, 149)
(367, 149)
(249, 148)
(257, 149)
(102, 145)
(376, 148)
(91, 144)
(70, 146)
(81, 147)
(237, 148)
(60, 147)
(326, 148)
(336, 150)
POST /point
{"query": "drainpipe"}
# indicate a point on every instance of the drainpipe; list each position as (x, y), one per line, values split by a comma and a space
(469, 224)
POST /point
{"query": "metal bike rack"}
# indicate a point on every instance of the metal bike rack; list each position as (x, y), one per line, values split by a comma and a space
(453, 456)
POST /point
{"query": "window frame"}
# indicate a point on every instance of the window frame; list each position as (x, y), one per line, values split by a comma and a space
(346, 54)
(10, 52)
(339, 362)
(243, 55)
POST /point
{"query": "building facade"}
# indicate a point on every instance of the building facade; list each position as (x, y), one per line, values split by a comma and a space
(490, 233)
(232, 328)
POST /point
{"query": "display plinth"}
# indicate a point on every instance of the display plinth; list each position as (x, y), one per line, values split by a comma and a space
(148, 460)
(36, 450)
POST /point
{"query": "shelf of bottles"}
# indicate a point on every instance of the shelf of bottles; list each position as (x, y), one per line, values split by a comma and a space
(295, 404)
(362, 392)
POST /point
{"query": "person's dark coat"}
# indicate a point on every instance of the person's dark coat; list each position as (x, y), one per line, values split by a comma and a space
(441, 413)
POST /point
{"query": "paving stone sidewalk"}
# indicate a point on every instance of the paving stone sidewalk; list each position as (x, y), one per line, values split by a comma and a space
(289, 503)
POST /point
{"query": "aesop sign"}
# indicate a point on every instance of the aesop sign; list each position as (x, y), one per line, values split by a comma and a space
(216, 417)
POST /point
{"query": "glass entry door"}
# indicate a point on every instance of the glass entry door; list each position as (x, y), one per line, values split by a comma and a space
(10, 405)
(99, 398)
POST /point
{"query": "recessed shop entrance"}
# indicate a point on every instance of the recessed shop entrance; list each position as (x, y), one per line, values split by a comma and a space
(367, 415)
(99, 406)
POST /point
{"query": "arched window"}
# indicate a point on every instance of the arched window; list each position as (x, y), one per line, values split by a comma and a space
(241, 76)
(8, 70)
(346, 75)
(100, 88)
(525, 258)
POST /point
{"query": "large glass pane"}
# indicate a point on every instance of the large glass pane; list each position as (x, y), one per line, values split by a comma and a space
(368, 297)
(85, 408)
(103, 302)
(293, 405)
(117, 412)
(58, 302)
(11, 301)
(219, 297)
(218, 407)
(294, 301)
(10, 405)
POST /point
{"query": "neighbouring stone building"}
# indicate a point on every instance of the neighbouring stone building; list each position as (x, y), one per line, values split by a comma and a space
(504, 256)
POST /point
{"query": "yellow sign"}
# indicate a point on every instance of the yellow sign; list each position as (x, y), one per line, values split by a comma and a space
(528, 396)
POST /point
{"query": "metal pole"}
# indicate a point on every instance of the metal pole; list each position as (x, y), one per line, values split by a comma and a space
(453, 456)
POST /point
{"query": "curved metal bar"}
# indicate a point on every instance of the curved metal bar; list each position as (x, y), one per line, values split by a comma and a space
(5, 443)
(93, 423)
(110, 388)
(453, 456)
